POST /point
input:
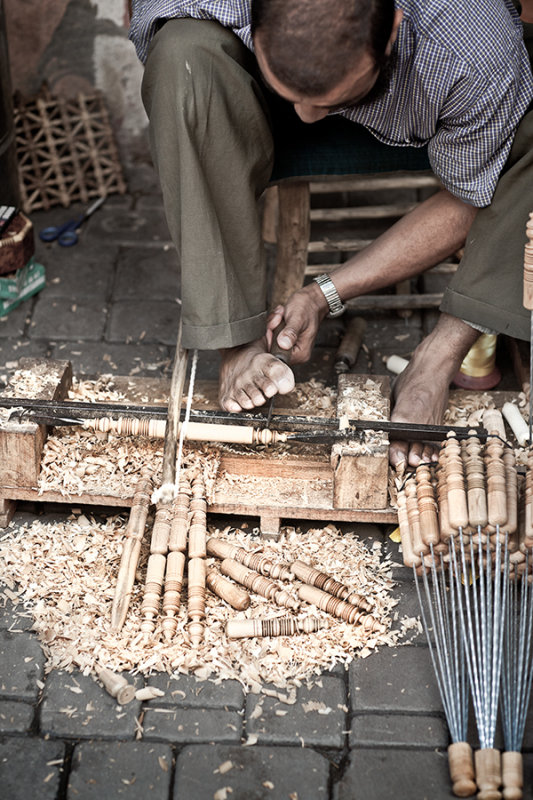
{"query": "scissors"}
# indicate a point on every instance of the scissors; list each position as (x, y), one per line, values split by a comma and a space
(67, 234)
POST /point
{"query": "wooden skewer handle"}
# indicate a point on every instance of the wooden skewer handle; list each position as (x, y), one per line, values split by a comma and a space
(339, 608)
(321, 580)
(116, 685)
(488, 773)
(275, 349)
(461, 766)
(234, 595)
(281, 626)
(512, 775)
(351, 342)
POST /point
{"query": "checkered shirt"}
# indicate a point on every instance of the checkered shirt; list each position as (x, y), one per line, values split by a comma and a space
(461, 81)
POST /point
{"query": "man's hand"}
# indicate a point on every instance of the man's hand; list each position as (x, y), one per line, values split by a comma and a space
(302, 314)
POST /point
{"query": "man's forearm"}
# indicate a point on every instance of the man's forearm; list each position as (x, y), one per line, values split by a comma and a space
(428, 234)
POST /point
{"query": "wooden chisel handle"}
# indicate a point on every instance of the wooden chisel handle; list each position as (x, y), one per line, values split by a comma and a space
(528, 266)
(351, 342)
(275, 349)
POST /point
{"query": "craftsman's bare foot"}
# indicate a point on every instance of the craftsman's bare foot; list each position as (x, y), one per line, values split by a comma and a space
(420, 393)
(249, 376)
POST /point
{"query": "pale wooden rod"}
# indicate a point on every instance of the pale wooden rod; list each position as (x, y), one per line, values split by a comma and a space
(363, 183)
(361, 212)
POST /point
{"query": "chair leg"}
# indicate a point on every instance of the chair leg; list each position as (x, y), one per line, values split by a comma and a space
(293, 239)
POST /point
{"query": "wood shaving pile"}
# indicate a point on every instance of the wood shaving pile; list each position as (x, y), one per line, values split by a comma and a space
(64, 574)
(469, 411)
(314, 397)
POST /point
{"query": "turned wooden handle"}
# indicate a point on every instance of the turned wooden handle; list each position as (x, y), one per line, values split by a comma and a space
(234, 595)
(351, 342)
(488, 773)
(275, 349)
(512, 775)
(528, 266)
(461, 766)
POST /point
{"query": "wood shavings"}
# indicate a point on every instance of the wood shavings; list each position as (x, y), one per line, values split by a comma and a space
(467, 409)
(70, 595)
(314, 396)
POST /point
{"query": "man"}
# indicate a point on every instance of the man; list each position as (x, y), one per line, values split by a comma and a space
(454, 76)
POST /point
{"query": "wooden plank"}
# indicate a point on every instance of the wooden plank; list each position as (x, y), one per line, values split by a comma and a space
(21, 443)
(293, 238)
(386, 180)
(7, 509)
(360, 479)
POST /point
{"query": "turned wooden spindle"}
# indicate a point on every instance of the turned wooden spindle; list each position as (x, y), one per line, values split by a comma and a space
(516, 422)
(195, 431)
(512, 775)
(493, 423)
(410, 558)
(131, 551)
(172, 593)
(445, 529)
(488, 773)
(339, 608)
(233, 595)
(198, 526)
(196, 600)
(427, 506)
(281, 626)
(476, 493)
(314, 577)
(254, 561)
(461, 768)
(496, 490)
(161, 529)
(155, 576)
(179, 526)
(511, 487)
(413, 514)
(528, 515)
(457, 503)
(116, 685)
(259, 584)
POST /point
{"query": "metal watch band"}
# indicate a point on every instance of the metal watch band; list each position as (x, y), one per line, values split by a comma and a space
(336, 306)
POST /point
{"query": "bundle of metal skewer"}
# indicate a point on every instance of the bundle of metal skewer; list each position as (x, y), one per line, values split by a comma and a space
(466, 532)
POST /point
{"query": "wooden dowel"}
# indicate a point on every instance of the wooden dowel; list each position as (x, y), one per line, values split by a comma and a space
(198, 527)
(196, 601)
(420, 548)
(512, 775)
(339, 608)
(179, 526)
(476, 492)
(161, 529)
(172, 593)
(457, 504)
(195, 431)
(488, 773)
(511, 487)
(496, 490)
(179, 371)
(233, 595)
(155, 576)
(410, 558)
(131, 551)
(281, 626)
(351, 342)
(461, 767)
(427, 506)
(517, 423)
(116, 685)
(445, 529)
(314, 577)
(257, 562)
(259, 584)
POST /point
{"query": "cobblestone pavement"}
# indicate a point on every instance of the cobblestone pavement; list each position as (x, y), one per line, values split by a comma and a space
(111, 306)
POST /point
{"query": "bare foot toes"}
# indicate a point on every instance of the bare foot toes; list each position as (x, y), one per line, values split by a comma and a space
(249, 376)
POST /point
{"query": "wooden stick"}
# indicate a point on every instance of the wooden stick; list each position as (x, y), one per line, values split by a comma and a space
(161, 529)
(196, 601)
(512, 775)
(517, 423)
(475, 482)
(314, 577)
(496, 491)
(488, 773)
(196, 431)
(179, 370)
(172, 594)
(255, 561)
(116, 685)
(457, 504)
(131, 551)
(234, 595)
(461, 766)
(420, 548)
(493, 422)
(511, 486)
(155, 575)
(410, 558)
(427, 506)
(281, 626)
(179, 526)
(259, 584)
(339, 608)
(198, 527)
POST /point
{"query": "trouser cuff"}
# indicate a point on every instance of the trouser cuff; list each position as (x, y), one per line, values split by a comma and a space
(514, 323)
(228, 334)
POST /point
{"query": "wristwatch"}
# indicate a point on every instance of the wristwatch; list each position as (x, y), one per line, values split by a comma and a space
(336, 306)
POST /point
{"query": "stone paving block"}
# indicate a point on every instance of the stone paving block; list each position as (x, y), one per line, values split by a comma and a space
(77, 706)
(124, 226)
(15, 717)
(80, 272)
(30, 768)
(398, 730)
(184, 725)
(389, 774)
(12, 350)
(255, 773)
(407, 612)
(317, 719)
(132, 321)
(142, 273)
(399, 679)
(186, 691)
(13, 616)
(78, 318)
(129, 770)
(21, 665)
(14, 324)
(98, 358)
